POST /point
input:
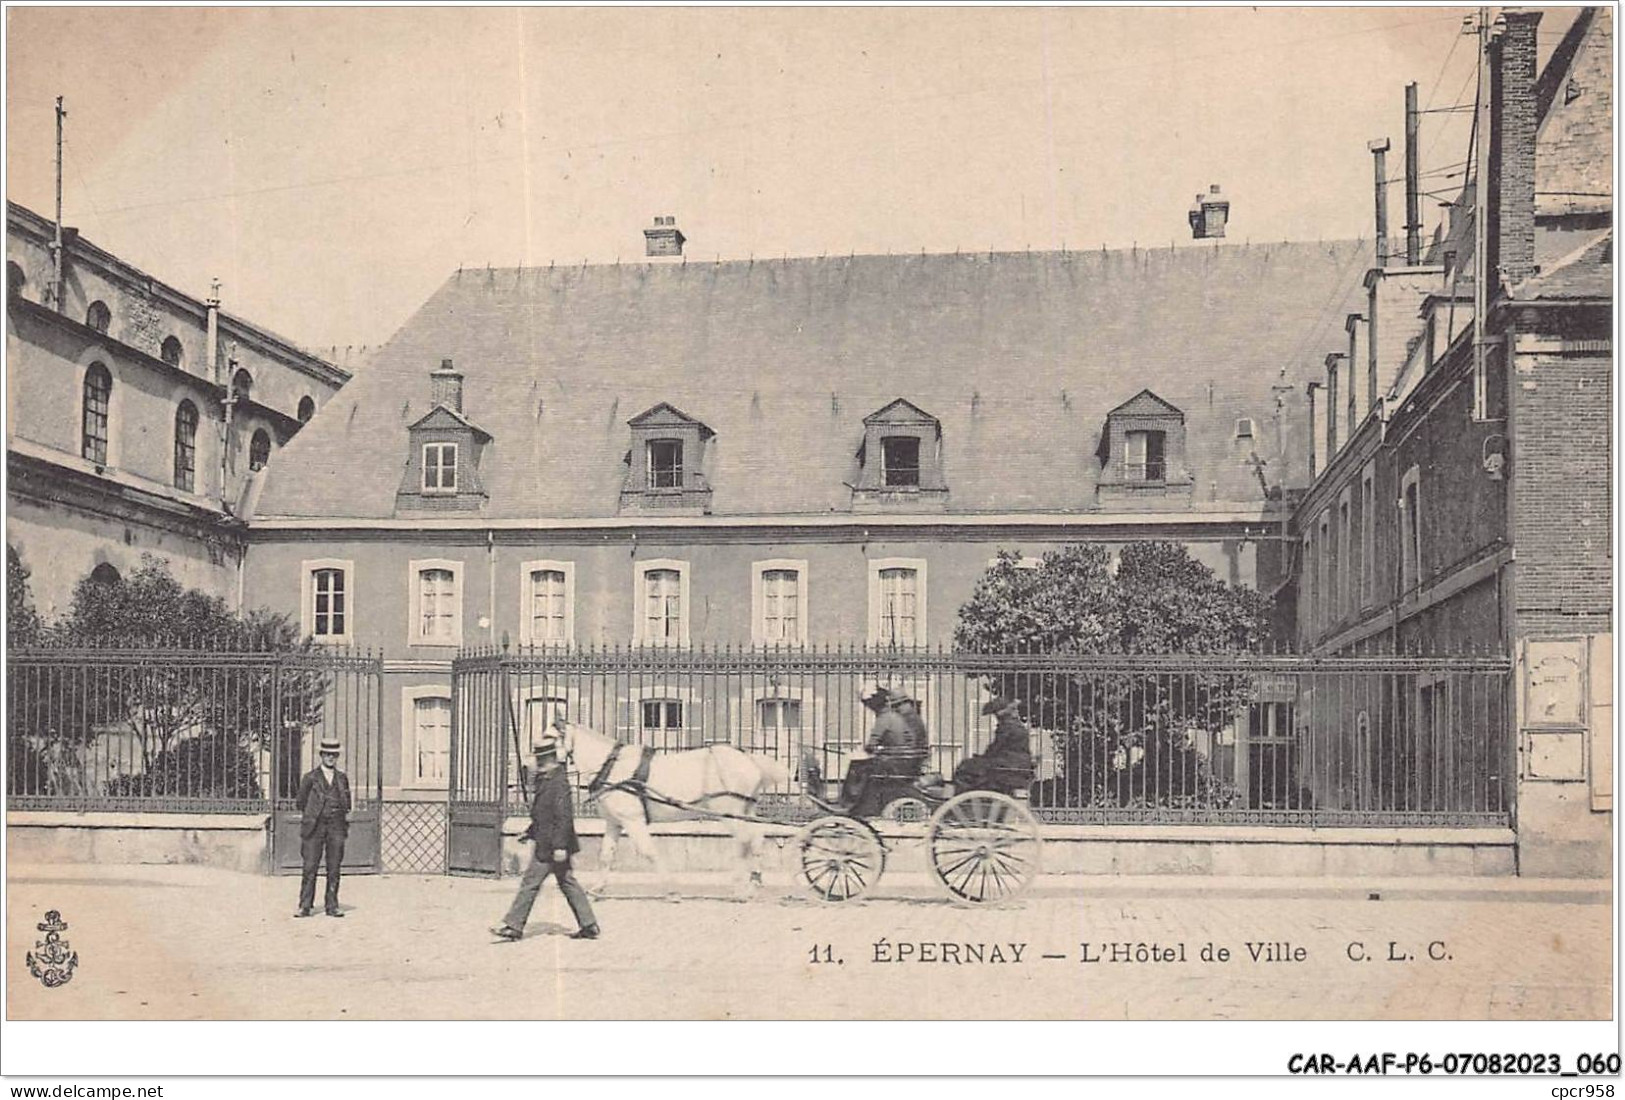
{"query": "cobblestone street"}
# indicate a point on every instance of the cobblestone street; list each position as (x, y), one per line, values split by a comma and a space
(199, 943)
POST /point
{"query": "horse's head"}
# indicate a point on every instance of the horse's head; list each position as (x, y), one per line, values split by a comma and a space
(563, 732)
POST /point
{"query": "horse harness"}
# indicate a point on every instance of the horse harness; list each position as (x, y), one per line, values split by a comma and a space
(638, 784)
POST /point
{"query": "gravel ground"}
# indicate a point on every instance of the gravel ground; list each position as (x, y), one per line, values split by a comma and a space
(166, 943)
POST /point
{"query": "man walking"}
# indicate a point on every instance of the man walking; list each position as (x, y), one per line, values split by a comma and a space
(553, 832)
(324, 806)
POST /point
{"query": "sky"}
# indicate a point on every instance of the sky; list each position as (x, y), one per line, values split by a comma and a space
(333, 166)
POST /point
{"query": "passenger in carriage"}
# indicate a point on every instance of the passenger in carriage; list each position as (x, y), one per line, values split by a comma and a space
(1010, 753)
(897, 745)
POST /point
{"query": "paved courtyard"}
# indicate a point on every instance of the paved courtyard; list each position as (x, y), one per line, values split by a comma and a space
(200, 943)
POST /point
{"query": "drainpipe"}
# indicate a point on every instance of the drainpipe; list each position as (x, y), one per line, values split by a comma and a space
(491, 585)
(228, 409)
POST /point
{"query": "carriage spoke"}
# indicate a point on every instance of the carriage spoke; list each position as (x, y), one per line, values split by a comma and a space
(983, 846)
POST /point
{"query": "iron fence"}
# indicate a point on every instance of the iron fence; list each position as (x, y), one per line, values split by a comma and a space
(183, 729)
(1258, 739)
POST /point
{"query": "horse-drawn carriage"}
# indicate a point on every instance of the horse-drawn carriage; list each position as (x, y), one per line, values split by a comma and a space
(982, 845)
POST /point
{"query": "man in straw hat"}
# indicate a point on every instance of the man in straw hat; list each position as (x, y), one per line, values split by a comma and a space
(324, 806)
(553, 832)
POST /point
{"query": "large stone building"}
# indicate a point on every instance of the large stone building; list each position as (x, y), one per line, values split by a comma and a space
(786, 452)
(1462, 495)
(138, 417)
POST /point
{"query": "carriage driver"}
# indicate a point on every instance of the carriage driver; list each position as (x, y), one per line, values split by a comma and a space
(897, 745)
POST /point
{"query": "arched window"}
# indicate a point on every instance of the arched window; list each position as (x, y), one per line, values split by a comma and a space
(307, 409)
(105, 573)
(242, 385)
(171, 351)
(185, 446)
(98, 395)
(15, 279)
(98, 316)
(259, 450)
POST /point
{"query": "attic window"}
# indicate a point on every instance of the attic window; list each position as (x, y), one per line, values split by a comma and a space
(900, 460)
(440, 467)
(665, 464)
(1143, 456)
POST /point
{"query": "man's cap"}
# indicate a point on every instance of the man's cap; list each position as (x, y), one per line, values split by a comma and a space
(330, 744)
(996, 704)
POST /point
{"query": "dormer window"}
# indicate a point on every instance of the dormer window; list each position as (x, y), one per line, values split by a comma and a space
(1142, 453)
(443, 452)
(665, 463)
(440, 467)
(900, 461)
(899, 465)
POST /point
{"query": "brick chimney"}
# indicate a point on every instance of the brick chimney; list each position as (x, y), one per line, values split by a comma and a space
(1208, 214)
(1511, 197)
(665, 239)
(446, 387)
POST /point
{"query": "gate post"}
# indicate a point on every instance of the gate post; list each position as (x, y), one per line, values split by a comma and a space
(503, 722)
(273, 782)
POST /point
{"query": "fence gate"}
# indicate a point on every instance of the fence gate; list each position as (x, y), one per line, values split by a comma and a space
(477, 796)
(328, 696)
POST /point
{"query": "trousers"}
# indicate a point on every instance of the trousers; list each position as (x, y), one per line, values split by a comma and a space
(530, 884)
(327, 839)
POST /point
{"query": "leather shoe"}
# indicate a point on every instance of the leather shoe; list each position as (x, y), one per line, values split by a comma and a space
(334, 913)
(503, 932)
(588, 933)
(303, 913)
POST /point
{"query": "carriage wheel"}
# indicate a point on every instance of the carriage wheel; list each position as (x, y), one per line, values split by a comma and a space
(840, 857)
(906, 808)
(983, 847)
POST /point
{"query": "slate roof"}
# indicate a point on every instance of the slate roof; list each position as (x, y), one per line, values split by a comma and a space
(1019, 355)
(1586, 273)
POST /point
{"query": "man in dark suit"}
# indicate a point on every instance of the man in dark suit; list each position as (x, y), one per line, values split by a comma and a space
(324, 803)
(553, 832)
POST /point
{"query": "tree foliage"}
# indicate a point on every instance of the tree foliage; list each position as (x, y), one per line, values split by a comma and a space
(1123, 736)
(197, 708)
(22, 620)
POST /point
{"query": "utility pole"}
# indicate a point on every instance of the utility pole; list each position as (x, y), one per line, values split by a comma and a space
(56, 237)
(1481, 217)
(1413, 180)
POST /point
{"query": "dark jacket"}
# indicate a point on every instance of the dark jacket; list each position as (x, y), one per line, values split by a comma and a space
(318, 801)
(1011, 745)
(552, 818)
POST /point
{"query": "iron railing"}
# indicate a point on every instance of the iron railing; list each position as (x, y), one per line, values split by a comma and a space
(1258, 739)
(183, 729)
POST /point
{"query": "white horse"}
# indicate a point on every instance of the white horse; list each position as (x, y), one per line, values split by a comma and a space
(718, 779)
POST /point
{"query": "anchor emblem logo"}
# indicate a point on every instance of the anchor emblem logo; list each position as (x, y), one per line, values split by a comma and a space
(52, 961)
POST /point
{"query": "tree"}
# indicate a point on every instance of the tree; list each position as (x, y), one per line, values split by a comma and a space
(22, 621)
(199, 714)
(1125, 733)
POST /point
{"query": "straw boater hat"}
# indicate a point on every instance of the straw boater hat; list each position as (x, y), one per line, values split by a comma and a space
(330, 744)
(546, 747)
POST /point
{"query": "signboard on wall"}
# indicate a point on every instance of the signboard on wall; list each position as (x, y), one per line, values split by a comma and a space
(1554, 683)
